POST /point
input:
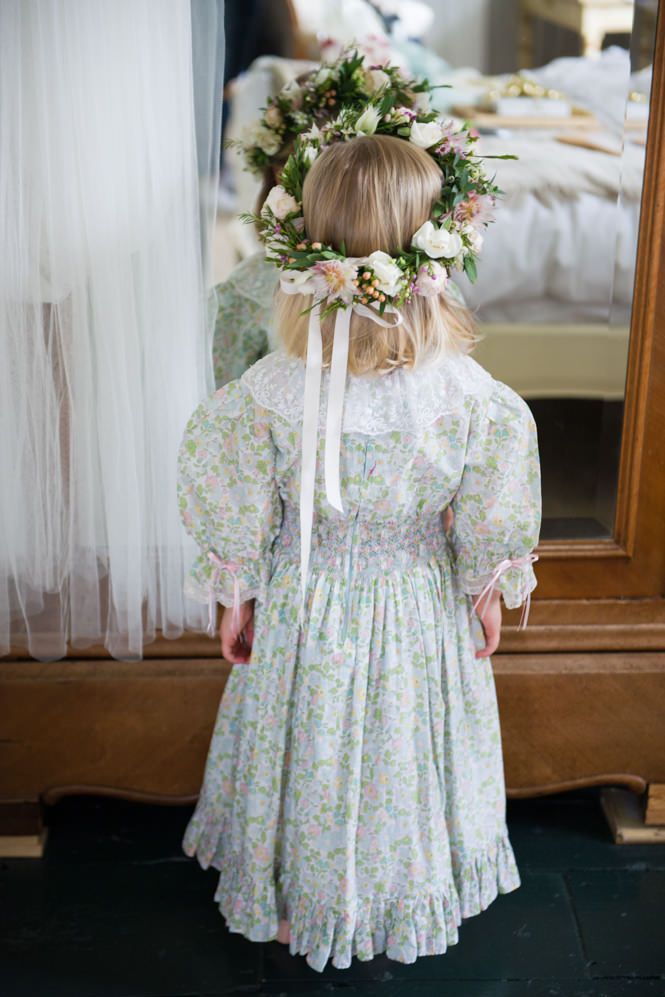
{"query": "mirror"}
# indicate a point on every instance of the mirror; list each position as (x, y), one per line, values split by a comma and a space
(564, 85)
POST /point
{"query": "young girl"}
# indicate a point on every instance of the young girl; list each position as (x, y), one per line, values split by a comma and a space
(353, 798)
(243, 302)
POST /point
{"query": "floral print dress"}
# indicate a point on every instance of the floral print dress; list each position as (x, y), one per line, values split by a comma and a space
(243, 306)
(354, 784)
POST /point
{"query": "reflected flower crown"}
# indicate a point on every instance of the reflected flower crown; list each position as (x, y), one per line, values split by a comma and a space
(449, 240)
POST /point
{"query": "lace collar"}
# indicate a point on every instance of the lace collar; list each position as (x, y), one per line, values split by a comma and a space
(373, 403)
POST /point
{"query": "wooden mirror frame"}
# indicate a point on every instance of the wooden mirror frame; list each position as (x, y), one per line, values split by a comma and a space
(608, 593)
(581, 692)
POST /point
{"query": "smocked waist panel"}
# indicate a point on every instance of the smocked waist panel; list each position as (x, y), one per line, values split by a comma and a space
(374, 545)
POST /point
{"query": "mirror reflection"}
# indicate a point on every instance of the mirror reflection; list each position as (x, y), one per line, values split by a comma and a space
(562, 84)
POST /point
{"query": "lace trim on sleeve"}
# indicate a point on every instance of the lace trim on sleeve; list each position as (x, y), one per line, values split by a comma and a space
(514, 578)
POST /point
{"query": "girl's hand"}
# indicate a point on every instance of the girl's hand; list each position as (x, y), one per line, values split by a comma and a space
(237, 644)
(491, 623)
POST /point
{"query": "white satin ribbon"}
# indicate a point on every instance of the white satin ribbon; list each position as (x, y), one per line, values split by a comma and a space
(334, 413)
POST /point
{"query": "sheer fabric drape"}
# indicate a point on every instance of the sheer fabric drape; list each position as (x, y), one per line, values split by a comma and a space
(105, 330)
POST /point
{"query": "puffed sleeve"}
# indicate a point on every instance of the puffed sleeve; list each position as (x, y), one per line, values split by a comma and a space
(228, 497)
(497, 508)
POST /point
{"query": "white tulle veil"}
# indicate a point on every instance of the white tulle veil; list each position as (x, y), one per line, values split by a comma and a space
(110, 113)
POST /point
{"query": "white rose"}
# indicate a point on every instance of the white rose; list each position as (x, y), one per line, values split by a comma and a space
(432, 279)
(367, 122)
(386, 271)
(273, 117)
(375, 80)
(437, 242)
(425, 135)
(474, 238)
(280, 202)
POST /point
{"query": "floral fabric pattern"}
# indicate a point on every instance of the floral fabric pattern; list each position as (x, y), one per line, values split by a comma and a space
(354, 783)
(242, 332)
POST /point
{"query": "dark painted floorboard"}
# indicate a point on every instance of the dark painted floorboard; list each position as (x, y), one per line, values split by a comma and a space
(116, 910)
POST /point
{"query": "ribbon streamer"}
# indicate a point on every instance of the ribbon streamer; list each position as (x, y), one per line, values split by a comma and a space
(310, 422)
(220, 566)
(334, 413)
(517, 562)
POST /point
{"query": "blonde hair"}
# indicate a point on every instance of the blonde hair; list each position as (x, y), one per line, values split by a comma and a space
(372, 193)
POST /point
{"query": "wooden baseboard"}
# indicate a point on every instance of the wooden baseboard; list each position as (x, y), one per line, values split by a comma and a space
(23, 846)
(141, 730)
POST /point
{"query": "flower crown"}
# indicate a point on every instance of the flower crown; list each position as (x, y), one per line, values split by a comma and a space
(450, 240)
(348, 82)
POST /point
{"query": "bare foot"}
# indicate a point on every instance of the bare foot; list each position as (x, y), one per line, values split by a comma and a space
(283, 934)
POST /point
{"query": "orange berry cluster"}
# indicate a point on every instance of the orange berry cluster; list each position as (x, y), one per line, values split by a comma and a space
(329, 98)
(369, 288)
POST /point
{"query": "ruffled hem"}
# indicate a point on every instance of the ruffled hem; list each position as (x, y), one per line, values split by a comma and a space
(480, 879)
(403, 927)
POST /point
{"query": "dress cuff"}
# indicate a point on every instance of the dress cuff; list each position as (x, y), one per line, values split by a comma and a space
(212, 580)
(514, 578)
(516, 584)
(198, 592)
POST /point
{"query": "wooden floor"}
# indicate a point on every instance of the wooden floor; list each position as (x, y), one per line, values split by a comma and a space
(114, 909)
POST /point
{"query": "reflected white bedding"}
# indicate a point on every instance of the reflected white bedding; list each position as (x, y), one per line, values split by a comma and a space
(557, 261)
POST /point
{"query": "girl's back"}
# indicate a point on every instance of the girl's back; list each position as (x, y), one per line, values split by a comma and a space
(354, 785)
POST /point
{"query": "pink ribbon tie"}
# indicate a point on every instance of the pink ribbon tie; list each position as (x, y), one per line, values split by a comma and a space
(503, 566)
(220, 566)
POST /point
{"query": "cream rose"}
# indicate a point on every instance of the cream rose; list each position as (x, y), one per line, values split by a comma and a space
(437, 242)
(280, 203)
(426, 134)
(386, 271)
(367, 122)
(375, 80)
